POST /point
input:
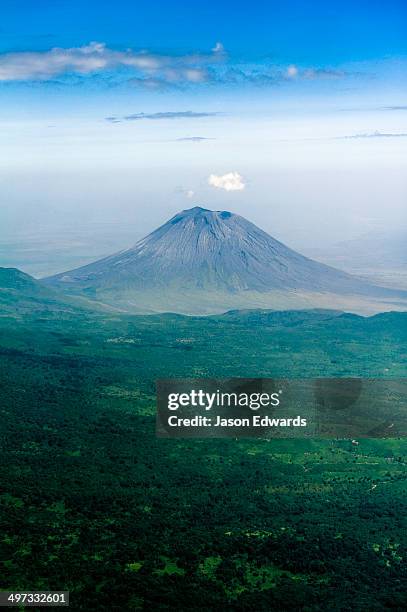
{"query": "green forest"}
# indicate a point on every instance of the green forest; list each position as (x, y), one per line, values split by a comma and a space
(93, 503)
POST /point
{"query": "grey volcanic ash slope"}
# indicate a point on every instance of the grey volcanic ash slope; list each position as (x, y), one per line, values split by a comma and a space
(202, 255)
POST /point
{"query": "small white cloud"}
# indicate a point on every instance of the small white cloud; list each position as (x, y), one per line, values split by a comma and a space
(188, 193)
(292, 71)
(232, 181)
(218, 48)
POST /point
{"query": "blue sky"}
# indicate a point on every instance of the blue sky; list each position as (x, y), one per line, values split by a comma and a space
(291, 31)
(125, 110)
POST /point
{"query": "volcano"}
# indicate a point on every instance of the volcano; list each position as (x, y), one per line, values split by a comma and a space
(203, 261)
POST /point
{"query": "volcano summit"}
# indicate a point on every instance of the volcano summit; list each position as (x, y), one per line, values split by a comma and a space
(203, 261)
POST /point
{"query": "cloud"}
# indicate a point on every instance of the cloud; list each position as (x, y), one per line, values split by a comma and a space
(292, 71)
(153, 71)
(96, 57)
(264, 75)
(169, 115)
(218, 48)
(193, 139)
(188, 193)
(164, 115)
(232, 181)
(325, 73)
(247, 76)
(310, 74)
(376, 135)
(152, 83)
(149, 70)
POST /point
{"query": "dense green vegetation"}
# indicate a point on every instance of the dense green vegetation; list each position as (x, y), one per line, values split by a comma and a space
(92, 502)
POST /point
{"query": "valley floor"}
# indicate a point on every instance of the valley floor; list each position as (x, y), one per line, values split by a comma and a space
(92, 502)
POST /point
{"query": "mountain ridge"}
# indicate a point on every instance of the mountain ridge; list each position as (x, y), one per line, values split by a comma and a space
(22, 294)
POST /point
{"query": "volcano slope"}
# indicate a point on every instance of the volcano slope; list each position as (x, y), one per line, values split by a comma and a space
(207, 262)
